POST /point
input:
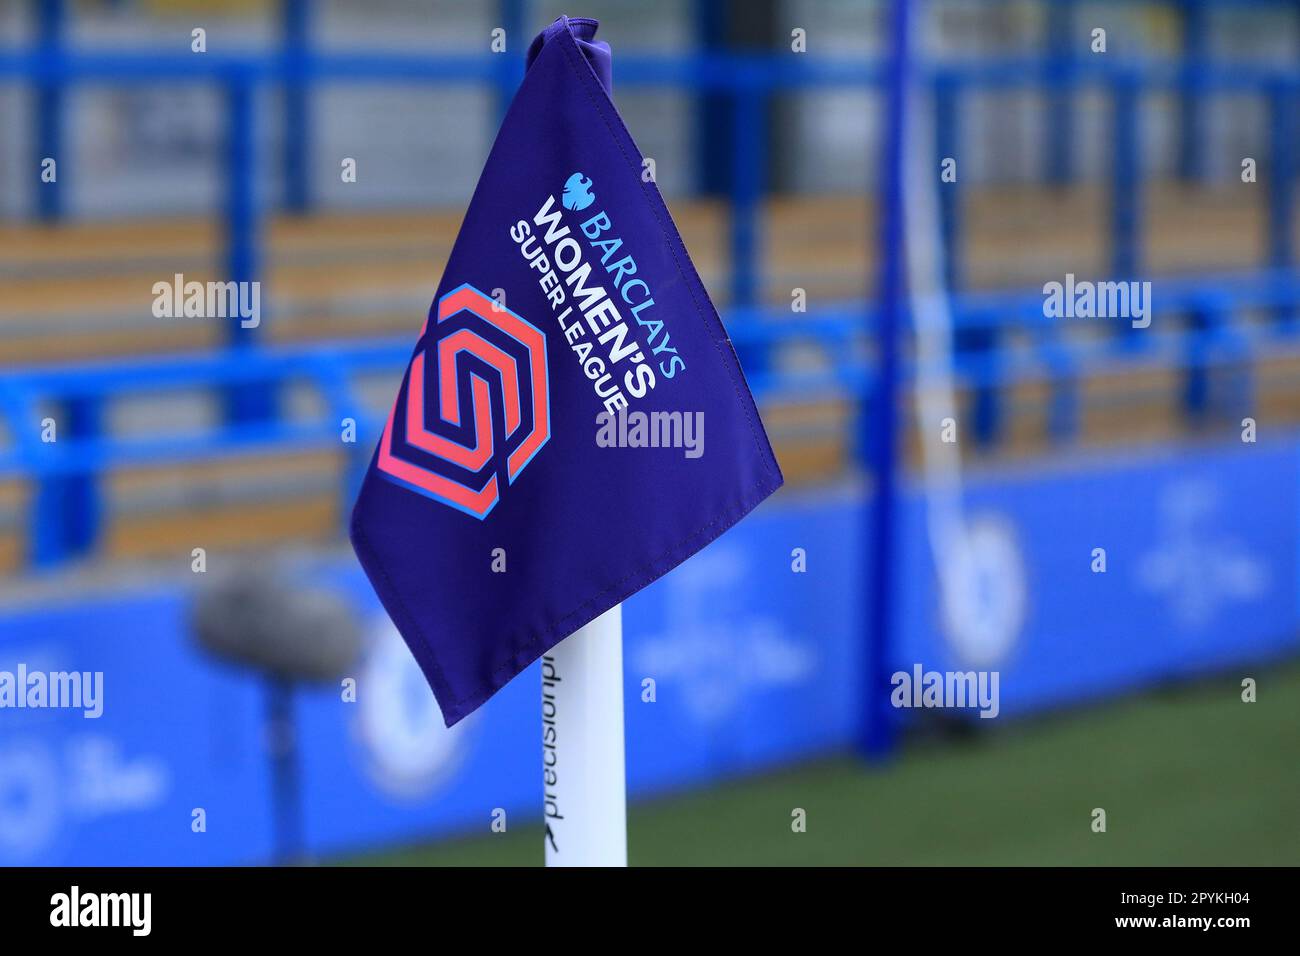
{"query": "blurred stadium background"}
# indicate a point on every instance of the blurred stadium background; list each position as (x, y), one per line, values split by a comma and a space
(1119, 690)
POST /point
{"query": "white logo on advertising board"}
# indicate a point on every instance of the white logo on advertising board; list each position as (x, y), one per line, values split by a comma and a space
(715, 644)
(1198, 569)
(982, 592)
(409, 750)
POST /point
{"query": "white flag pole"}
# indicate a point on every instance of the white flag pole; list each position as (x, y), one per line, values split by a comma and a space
(582, 746)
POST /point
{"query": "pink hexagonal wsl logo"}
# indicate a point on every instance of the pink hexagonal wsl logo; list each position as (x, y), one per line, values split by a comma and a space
(474, 407)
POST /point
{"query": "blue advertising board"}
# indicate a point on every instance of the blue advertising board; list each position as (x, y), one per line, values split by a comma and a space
(1200, 572)
(737, 660)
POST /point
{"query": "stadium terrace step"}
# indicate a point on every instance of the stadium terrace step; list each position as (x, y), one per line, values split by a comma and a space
(84, 291)
(65, 288)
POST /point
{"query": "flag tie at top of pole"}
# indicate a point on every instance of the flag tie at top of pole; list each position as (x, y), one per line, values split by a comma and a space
(492, 521)
(583, 32)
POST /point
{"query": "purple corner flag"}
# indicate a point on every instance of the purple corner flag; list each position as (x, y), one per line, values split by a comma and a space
(573, 423)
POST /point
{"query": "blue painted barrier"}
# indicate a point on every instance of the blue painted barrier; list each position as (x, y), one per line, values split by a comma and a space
(754, 665)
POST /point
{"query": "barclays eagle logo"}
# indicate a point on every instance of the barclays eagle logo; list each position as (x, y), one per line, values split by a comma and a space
(577, 193)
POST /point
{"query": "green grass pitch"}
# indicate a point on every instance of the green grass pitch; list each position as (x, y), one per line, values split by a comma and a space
(1187, 776)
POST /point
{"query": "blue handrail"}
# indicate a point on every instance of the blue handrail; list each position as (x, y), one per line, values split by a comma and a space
(249, 379)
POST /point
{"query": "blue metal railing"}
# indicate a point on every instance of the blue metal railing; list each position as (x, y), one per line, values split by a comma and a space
(69, 471)
(747, 81)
